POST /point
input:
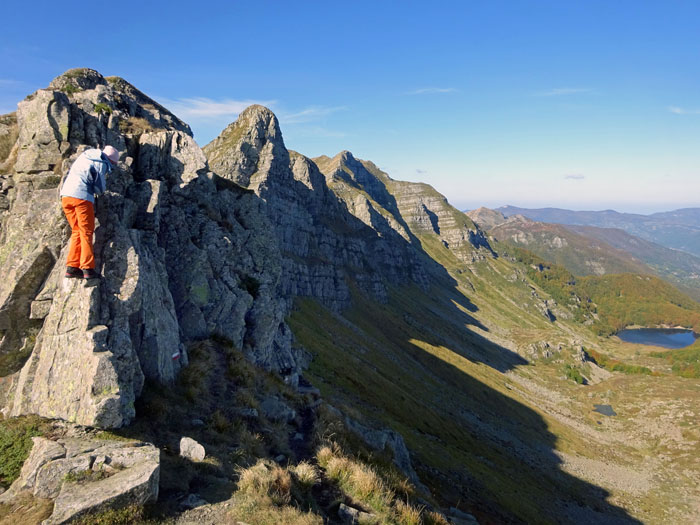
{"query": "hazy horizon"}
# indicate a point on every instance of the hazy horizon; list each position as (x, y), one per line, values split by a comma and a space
(640, 209)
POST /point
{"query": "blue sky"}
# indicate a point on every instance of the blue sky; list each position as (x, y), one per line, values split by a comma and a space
(585, 105)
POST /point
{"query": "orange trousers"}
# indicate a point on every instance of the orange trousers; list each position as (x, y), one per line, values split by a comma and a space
(81, 217)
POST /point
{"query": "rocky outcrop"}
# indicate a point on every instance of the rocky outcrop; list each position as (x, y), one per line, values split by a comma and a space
(87, 475)
(185, 254)
(486, 218)
(325, 248)
(8, 137)
(409, 209)
(382, 440)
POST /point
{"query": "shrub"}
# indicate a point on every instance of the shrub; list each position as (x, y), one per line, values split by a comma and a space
(574, 374)
(615, 365)
(70, 89)
(103, 108)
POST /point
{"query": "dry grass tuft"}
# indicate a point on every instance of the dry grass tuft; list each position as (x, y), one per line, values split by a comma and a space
(407, 514)
(434, 518)
(306, 474)
(358, 480)
(135, 126)
(266, 478)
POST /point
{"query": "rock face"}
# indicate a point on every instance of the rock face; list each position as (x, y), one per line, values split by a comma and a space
(409, 209)
(189, 247)
(325, 247)
(185, 254)
(86, 475)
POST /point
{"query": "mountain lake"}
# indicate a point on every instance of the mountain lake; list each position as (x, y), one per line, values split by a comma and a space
(664, 337)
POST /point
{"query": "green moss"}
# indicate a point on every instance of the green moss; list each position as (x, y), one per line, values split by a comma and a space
(131, 515)
(103, 108)
(15, 444)
(70, 89)
(200, 293)
(86, 476)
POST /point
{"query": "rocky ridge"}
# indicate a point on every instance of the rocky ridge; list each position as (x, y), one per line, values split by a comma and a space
(326, 248)
(413, 209)
(82, 353)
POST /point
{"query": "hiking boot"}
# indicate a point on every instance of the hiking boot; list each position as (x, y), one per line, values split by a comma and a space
(91, 274)
(73, 273)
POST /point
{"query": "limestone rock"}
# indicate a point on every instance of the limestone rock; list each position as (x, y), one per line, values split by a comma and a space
(50, 477)
(460, 517)
(322, 243)
(380, 439)
(43, 451)
(192, 450)
(112, 473)
(93, 348)
(135, 485)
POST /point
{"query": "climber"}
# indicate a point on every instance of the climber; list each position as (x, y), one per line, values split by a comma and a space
(85, 178)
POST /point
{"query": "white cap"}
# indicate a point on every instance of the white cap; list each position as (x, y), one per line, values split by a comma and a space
(111, 153)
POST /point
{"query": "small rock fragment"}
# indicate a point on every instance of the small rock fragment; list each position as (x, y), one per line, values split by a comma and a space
(192, 450)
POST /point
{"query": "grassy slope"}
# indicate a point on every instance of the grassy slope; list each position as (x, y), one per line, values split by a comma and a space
(615, 301)
(414, 365)
(432, 367)
(679, 268)
(579, 254)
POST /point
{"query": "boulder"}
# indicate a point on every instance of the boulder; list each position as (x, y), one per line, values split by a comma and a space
(85, 475)
(380, 439)
(43, 452)
(44, 121)
(355, 516)
(135, 485)
(192, 450)
(51, 476)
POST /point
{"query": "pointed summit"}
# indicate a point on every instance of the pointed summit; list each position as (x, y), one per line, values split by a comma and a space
(247, 144)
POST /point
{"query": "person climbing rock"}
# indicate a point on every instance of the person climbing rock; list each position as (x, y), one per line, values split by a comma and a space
(85, 179)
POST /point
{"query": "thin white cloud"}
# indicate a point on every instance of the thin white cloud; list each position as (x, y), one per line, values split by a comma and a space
(317, 131)
(682, 111)
(9, 82)
(310, 114)
(574, 176)
(206, 108)
(431, 91)
(557, 92)
(421, 172)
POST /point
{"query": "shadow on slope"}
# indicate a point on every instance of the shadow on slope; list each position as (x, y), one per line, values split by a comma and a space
(473, 439)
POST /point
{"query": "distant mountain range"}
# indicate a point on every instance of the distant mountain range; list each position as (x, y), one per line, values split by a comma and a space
(679, 229)
(591, 250)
